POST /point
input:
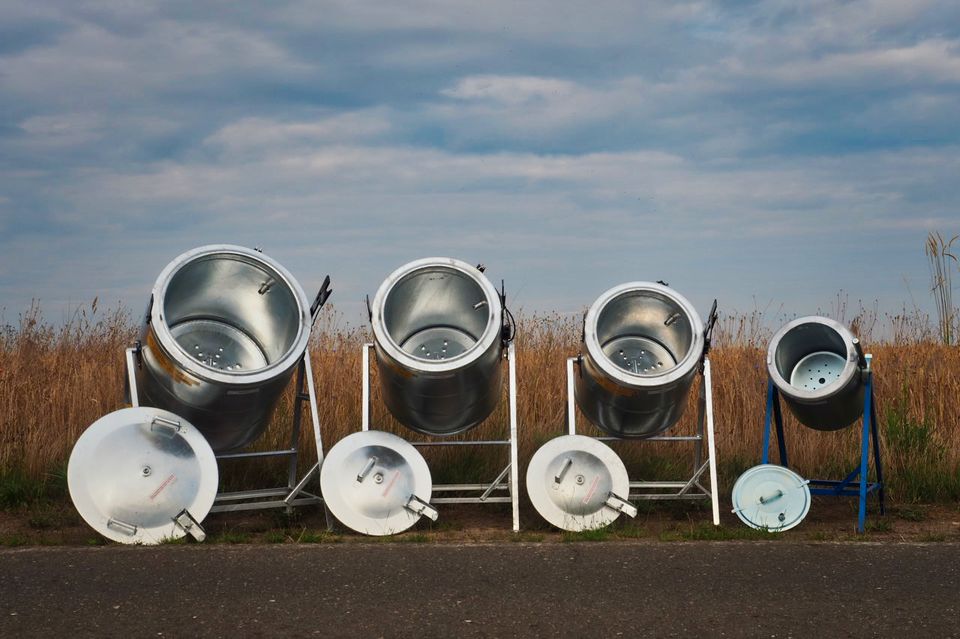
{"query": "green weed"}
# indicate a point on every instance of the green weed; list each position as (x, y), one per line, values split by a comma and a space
(599, 534)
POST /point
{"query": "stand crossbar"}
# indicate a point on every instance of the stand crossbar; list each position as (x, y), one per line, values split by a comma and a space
(691, 488)
(856, 483)
(507, 480)
(294, 493)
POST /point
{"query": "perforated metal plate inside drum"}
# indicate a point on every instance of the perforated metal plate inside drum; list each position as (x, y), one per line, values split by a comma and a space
(817, 370)
(132, 472)
(771, 497)
(375, 483)
(571, 479)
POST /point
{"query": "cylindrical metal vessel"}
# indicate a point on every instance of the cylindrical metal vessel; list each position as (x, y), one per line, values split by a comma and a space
(224, 332)
(437, 328)
(642, 348)
(816, 365)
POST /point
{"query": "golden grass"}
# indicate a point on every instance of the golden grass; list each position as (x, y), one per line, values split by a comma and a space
(55, 381)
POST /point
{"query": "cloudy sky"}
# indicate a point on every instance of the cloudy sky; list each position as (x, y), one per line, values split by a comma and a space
(765, 154)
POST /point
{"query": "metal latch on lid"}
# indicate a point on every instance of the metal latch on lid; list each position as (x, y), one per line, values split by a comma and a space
(422, 508)
(620, 504)
(190, 525)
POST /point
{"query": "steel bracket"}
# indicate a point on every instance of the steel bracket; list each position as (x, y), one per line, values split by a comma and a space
(419, 507)
(190, 525)
(620, 504)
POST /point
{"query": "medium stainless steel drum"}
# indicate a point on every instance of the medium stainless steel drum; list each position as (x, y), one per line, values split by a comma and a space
(642, 348)
(224, 332)
(143, 475)
(437, 328)
(816, 365)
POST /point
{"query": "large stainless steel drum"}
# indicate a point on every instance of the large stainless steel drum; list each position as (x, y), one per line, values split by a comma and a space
(437, 327)
(226, 327)
(642, 348)
(816, 364)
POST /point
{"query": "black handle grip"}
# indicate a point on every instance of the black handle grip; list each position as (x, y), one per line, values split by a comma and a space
(708, 333)
(861, 358)
(322, 296)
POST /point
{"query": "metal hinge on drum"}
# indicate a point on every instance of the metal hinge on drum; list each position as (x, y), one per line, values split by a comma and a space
(419, 507)
(620, 504)
(190, 525)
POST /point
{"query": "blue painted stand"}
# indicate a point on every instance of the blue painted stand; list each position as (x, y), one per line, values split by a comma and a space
(847, 487)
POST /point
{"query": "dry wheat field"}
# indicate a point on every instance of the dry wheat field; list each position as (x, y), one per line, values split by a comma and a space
(55, 380)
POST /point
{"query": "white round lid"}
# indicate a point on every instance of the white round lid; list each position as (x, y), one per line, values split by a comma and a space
(368, 480)
(571, 479)
(771, 497)
(135, 470)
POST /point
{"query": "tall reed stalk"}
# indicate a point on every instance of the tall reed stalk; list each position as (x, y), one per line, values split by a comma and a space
(942, 262)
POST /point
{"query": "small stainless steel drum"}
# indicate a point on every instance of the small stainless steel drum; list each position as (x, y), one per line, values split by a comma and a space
(225, 330)
(376, 483)
(578, 483)
(142, 475)
(642, 348)
(437, 327)
(816, 365)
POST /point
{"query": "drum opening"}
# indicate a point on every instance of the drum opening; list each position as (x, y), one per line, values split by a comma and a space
(811, 356)
(436, 313)
(231, 313)
(645, 333)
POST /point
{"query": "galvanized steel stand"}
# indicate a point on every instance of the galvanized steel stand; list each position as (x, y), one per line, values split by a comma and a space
(692, 488)
(855, 484)
(507, 480)
(294, 493)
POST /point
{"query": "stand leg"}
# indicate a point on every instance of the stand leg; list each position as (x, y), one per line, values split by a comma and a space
(711, 442)
(767, 419)
(365, 389)
(781, 437)
(571, 403)
(865, 455)
(315, 419)
(514, 462)
(701, 421)
(295, 432)
(874, 421)
(132, 379)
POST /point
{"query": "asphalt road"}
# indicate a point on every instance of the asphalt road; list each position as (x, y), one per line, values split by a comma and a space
(433, 590)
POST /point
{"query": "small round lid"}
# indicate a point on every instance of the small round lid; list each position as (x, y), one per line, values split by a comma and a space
(771, 497)
(575, 483)
(134, 471)
(375, 483)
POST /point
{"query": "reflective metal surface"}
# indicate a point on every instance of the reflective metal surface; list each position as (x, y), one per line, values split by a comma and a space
(376, 483)
(132, 473)
(225, 330)
(814, 363)
(642, 348)
(577, 483)
(770, 497)
(436, 326)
